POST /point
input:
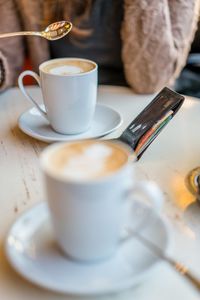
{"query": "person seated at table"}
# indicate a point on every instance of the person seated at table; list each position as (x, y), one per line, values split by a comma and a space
(140, 43)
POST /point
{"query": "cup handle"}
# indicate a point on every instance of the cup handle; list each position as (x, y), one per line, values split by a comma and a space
(149, 191)
(22, 88)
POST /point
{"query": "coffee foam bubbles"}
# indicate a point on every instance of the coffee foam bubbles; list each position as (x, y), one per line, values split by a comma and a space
(66, 70)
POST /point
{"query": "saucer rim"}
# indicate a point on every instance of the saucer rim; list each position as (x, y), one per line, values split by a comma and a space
(35, 135)
(131, 282)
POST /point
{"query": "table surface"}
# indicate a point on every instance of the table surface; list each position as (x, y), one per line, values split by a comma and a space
(167, 161)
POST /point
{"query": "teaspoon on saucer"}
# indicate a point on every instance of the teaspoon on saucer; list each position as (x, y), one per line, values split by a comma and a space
(52, 32)
(179, 267)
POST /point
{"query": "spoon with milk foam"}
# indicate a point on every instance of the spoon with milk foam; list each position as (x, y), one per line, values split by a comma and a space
(52, 32)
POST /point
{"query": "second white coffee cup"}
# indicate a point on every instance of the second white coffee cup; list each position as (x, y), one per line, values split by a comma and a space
(88, 185)
(69, 89)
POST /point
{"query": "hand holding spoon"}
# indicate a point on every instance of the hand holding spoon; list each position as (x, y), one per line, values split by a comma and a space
(52, 32)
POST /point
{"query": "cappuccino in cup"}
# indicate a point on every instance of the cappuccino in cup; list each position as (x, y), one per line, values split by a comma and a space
(88, 186)
(69, 90)
(86, 160)
(69, 67)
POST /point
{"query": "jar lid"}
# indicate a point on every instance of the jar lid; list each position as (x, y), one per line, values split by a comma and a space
(191, 181)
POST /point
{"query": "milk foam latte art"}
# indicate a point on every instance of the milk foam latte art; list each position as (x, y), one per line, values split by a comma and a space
(86, 160)
(68, 67)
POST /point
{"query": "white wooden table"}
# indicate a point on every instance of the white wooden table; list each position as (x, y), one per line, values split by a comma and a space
(167, 161)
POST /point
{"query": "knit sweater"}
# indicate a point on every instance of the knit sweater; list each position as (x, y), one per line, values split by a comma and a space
(156, 36)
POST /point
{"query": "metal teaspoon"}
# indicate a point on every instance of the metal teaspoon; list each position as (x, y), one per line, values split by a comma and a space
(52, 32)
(179, 267)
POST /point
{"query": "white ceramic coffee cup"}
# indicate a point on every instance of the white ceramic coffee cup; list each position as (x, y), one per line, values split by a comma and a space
(89, 216)
(69, 100)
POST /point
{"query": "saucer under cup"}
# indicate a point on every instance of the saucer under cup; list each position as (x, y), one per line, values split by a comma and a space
(35, 255)
(105, 121)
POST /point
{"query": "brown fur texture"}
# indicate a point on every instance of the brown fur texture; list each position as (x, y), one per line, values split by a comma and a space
(156, 39)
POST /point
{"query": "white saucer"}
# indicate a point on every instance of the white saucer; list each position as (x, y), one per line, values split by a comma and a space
(34, 124)
(31, 250)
